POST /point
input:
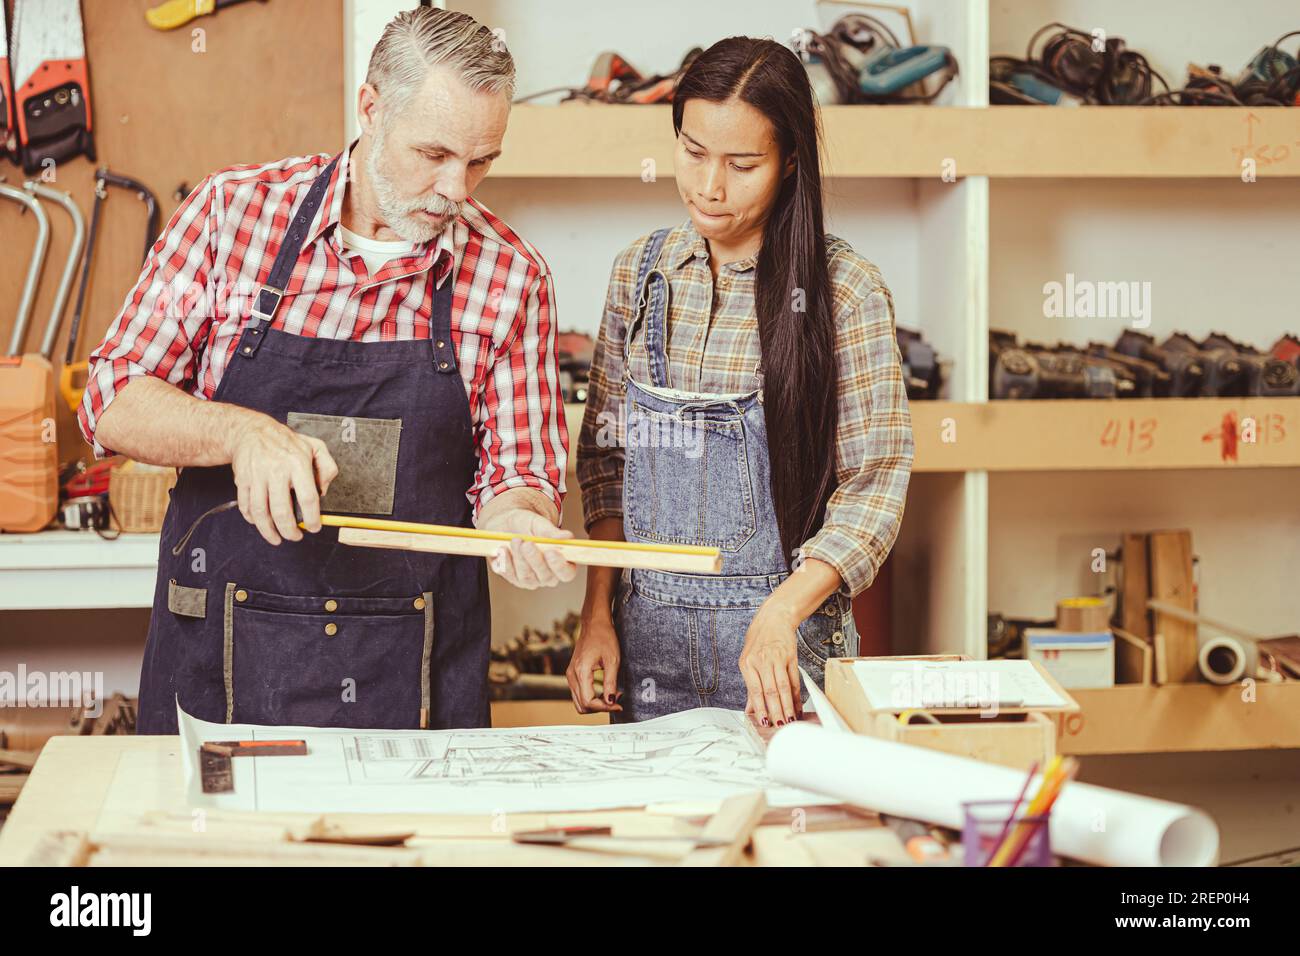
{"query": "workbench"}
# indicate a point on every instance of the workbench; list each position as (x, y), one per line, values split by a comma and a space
(109, 784)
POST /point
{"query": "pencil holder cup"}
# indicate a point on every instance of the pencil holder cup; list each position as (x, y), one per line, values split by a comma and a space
(984, 823)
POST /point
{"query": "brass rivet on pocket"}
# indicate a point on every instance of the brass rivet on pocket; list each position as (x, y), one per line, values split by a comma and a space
(441, 343)
(442, 365)
(331, 629)
(331, 605)
(419, 603)
(241, 595)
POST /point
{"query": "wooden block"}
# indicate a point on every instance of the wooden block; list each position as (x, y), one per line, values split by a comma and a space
(734, 822)
(1171, 581)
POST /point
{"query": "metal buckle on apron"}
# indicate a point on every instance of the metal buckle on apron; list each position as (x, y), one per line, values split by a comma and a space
(267, 312)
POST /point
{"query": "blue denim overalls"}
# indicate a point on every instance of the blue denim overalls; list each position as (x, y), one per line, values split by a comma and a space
(696, 472)
(315, 632)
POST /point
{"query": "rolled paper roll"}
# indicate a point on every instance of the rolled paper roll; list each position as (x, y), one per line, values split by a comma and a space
(1088, 823)
(1222, 660)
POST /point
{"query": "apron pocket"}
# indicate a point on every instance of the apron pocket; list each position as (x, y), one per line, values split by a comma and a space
(686, 479)
(187, 602)
(327, 661)
(365, 450)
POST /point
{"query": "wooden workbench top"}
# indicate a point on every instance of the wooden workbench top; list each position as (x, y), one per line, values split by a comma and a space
(106, 785)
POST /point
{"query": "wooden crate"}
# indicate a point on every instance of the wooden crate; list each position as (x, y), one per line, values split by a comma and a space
(1015, 737)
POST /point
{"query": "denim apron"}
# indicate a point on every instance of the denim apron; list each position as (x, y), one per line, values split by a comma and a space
(696, 472)
(315, 632)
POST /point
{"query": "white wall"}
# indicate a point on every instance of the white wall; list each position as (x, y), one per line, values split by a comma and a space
(1221, 255)
(581, 225)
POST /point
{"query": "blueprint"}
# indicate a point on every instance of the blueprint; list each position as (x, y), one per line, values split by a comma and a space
(699, 755)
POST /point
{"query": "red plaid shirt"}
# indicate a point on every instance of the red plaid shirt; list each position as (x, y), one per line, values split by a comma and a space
(183, 319)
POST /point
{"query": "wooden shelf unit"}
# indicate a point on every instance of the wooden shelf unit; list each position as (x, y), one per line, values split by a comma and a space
(1116, 434)
(580, 140)
(1173, 718)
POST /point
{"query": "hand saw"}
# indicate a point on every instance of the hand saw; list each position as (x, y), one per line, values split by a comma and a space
(51, 83)
(8, 136)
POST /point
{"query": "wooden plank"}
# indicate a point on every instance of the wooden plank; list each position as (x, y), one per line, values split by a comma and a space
(1171, 581)
(597, 140)
(11, 785)
(1136, 586)
(26, 759)
(1101, 434)
(1143, 142)
(1183, 718)
(581, 552)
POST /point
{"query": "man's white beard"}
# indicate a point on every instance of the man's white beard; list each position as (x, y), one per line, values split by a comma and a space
(399, 214)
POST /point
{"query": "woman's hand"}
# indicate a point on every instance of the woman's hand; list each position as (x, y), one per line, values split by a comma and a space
(769, 664)
(596, 647)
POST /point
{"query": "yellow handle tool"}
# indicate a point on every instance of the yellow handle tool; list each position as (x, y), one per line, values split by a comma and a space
(177, 13)
(72, 393)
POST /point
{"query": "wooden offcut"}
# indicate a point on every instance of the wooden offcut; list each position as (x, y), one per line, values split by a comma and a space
(1171, 582)
(1136, 586)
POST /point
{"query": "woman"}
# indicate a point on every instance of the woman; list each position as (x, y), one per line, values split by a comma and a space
(746, 394)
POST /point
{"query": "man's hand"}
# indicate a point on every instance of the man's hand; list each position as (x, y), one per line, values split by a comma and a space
(269, 461)
(523, 563)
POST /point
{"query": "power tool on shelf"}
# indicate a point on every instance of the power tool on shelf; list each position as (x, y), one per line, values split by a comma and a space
(859, 59)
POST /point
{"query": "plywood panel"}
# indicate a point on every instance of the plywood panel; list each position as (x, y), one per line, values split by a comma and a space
(260, 82)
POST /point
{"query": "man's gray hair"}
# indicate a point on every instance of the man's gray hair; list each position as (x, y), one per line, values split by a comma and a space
(426, 36)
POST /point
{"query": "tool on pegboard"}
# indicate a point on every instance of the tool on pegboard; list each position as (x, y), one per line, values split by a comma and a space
(72, 368)
(51, 83)
(8, 132)
(177, 13)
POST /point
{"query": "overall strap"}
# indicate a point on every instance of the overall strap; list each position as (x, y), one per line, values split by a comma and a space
(444, 356)
(654, 310)
(269, 295)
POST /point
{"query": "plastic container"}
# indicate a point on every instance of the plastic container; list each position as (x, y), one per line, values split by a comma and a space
(983, 822)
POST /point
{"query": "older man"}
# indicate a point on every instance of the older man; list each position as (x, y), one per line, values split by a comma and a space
(394, 357)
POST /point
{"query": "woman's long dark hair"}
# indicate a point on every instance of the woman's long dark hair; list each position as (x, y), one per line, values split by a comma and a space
(798, 347)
